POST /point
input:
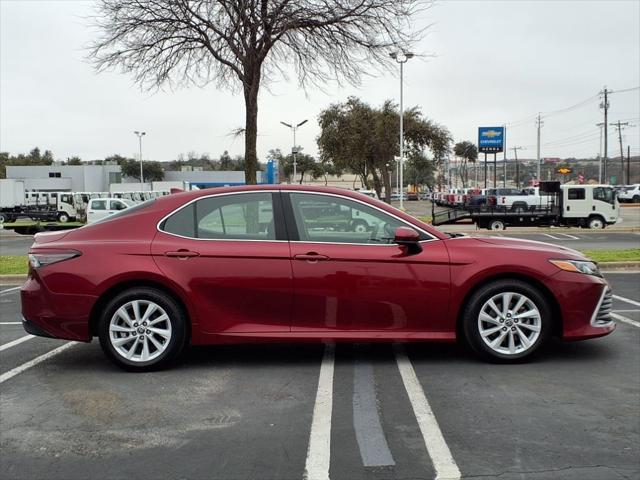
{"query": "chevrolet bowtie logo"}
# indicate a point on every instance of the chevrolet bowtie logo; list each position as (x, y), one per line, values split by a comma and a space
(491, 133)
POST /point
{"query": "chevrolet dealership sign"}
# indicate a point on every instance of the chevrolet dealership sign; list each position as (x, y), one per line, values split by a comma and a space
(490, 139)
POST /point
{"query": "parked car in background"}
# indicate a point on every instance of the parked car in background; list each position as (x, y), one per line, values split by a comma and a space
(242, 264)
(630, 193)
(99, 208)
(413, 196)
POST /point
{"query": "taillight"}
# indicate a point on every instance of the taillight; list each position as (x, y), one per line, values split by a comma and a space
(37, 260)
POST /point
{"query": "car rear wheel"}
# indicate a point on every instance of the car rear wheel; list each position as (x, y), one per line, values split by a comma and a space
(496, 225)
(507, 321)
(142, 329)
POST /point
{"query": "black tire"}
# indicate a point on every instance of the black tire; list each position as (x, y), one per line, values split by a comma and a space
(496, 225)
(471, 313)
(636, 199)
(360, 226)
(63, 217)
(177, 318)
(596, 222)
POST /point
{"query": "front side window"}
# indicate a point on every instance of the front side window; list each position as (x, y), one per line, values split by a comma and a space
(247, 216)
(328, 219)
(576, 194)
(604, 194)
(117, 205)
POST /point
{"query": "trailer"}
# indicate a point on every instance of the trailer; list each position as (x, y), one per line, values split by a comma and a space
(586, 206)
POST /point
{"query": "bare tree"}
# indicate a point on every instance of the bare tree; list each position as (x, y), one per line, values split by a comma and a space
(240, 44)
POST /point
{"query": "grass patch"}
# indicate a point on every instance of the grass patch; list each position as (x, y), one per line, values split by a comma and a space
(424, 218)
(13, 265)
(629, 255)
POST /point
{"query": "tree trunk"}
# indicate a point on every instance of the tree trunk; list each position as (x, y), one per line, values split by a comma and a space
(386, 177)
(251, 131)
(377, 185)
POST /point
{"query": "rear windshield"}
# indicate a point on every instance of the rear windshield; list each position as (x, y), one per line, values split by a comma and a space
(126, 211)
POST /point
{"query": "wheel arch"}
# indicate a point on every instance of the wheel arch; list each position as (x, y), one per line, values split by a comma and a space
(103, 299)
(556, 312)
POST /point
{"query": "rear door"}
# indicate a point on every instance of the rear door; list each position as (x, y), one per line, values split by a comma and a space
(229, 252)
(97, 209)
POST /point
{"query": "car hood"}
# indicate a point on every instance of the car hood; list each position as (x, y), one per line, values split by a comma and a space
(532, 245)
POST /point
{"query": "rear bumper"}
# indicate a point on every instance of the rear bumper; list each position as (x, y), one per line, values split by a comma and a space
(49, 314)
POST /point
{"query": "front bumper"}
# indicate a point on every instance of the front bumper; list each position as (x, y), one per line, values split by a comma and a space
(585, 306)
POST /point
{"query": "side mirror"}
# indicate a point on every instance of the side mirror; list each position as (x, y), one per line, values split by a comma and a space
(408, 237)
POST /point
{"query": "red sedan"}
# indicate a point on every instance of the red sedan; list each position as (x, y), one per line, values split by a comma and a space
(294, 263)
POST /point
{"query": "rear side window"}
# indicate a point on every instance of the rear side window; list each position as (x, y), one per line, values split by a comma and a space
(576, 194)
(182, 222)
(247, 216)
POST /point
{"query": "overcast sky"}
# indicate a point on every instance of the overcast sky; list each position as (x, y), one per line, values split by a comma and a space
(496, 63)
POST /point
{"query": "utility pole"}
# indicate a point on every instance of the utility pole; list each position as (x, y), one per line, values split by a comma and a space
(605, 105)
(619, 126)
(601, 124)
(539, 124)
(515, 154)
(628, 163)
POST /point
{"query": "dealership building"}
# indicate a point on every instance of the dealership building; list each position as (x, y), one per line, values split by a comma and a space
(66, 178)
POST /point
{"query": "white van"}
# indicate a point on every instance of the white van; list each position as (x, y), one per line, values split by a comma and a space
(100, 208)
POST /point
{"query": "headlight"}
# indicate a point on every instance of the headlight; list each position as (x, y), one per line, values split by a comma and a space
(577, 266)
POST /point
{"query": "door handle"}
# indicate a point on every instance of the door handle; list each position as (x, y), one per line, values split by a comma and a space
(311, 257)
(181, 254)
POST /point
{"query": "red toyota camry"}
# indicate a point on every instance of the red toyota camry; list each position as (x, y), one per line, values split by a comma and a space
(289, 263)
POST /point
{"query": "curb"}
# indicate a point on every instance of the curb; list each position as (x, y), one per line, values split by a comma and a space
(12, 279)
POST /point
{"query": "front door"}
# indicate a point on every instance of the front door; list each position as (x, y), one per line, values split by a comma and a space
(229, 252)
(350, 276)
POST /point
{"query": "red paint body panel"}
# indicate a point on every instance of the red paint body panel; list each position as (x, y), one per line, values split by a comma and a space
(371, 288)
(239, 291)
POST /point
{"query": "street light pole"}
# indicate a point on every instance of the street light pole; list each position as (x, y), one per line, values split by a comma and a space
(401, 57)
(294, 150)
(140, 135)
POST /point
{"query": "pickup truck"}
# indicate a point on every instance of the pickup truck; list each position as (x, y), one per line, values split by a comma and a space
(514, 199)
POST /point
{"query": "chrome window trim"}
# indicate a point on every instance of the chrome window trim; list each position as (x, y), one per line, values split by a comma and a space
(216, 239)
(432, 238)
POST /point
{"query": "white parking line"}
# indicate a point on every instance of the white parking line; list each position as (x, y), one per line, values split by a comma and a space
(573, 237)
(319, 452)
(15, 342)
(628, 300)
(32, 363)
(10, 290)
(551, 236)
(10, 323)
(625, 320)
(443, 462)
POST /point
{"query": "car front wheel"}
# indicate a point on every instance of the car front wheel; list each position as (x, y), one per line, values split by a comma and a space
(142, 329)
(507, 321)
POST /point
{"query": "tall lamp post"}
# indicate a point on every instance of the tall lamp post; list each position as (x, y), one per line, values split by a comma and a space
(401, 57)
(140, 135)
(294, 150)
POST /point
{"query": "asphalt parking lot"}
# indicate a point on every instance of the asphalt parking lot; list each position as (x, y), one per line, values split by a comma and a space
(321, 411)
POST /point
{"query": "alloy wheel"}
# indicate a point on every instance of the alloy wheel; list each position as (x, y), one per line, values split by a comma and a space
(140, 330)
(509, 323)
